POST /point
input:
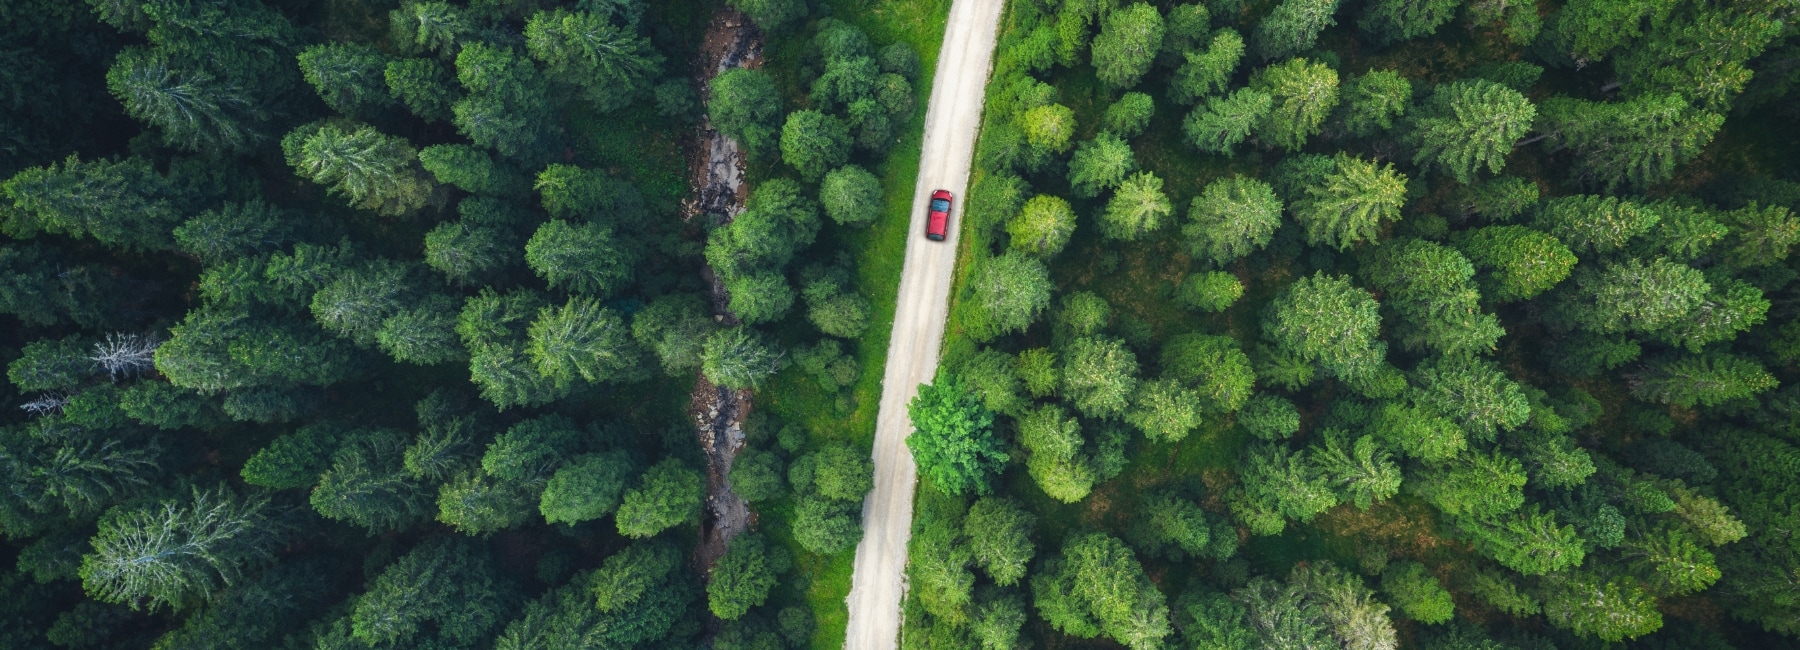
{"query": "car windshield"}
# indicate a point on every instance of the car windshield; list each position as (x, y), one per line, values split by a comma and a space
(940, 205)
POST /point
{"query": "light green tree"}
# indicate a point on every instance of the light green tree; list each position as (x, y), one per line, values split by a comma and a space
(1303, 94)
(1349, 205)
(1138, 208)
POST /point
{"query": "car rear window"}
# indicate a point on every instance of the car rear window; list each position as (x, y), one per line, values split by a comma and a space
(940, 205)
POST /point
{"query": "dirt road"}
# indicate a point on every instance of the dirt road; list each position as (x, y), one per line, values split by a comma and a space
(951, 121)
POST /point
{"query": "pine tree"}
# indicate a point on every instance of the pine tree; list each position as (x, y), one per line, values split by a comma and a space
(1303, 94)
(1127, 44)
(1375, 101)
(1100, 164)
(1009, 293)
(168, 554)
(1636, 143)
(1708, 380)
(667, 495)
(1206, 73)
(1349, 204)
(1325, 320)
(1232, 218)
(742, 578)
(1293, 27)
(583, 258)
(373, 170)
(1137, 209)
(1518, 263)
(1470, 125)
(1225, 121)
(352, 79)
(609, 64)
(746, 106)
(450, 584)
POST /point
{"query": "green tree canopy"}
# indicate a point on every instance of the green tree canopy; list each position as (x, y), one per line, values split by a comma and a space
(851, 195)
(742, 578)
(1303, 94)
(746, 106)
(953, 438)
(1100, 164)
(1349, 204)
(1225, 121)
(813, 143)
(1127, 44)
(1138, 208)
(1008, 293)
(609, 64)
(1467, 126)
(1042, 227)
(667, 495)
(169, 553)
(1326, 320)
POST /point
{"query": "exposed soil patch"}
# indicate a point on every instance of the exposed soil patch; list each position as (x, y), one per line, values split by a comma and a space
(717, 168)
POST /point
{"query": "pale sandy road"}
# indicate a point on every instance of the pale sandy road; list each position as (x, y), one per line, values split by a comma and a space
(951, 121)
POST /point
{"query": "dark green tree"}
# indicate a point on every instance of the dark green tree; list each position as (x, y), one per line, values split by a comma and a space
(1129, 115)
(352, 79)
(1204, 73)
(1325, 320)
(674, 327)
(746, 106)
(472, 170)
(814, 143)
(582, 258)
(1517, 263)
(1634, 143)
(1225, 121)
(425, 86)
(1293, 27)
(742, 578)
(1707, 379)
(999, 534)
(1399, 20)
(739, 358)
(610, 65)
(509, 106)
(450, 584)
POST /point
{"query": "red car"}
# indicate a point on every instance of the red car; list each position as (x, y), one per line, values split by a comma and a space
(939, 221)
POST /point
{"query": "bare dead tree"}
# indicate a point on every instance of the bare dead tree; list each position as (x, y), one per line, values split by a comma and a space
(124, 356)
(45, 404)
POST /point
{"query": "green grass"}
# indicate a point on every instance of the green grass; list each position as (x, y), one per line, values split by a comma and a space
(879, 251)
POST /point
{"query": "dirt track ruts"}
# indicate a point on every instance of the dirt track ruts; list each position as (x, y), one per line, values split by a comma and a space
(952, 119)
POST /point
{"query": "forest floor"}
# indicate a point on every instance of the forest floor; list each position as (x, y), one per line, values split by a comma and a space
(718, 170)
(952, 119)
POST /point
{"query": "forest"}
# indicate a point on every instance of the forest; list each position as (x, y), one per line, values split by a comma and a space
(338, 324)
(1369, 324)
